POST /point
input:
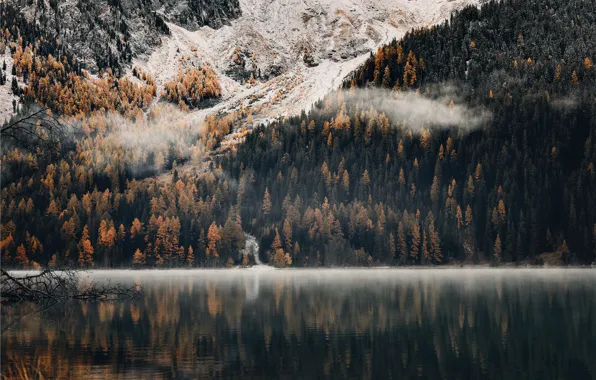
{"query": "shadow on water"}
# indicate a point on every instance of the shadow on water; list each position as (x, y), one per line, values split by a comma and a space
(259, 322)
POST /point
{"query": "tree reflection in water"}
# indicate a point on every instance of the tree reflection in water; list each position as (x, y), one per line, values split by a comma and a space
(447, 323)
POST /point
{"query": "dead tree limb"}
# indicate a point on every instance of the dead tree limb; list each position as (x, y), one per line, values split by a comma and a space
(38, 130)
(55, 286)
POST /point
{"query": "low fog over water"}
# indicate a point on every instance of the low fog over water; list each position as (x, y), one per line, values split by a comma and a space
(260, 322)
(350, 275)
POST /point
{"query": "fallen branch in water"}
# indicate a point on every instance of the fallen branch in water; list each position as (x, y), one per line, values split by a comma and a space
(55, 286)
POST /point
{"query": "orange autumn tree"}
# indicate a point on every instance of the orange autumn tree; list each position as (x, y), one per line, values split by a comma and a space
(192, 86)
(280, 258)
(213, 237)
(85, 249)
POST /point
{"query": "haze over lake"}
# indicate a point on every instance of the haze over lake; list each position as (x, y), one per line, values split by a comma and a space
(342, 323)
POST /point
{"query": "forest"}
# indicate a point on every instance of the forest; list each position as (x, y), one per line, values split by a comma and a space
(354, 181)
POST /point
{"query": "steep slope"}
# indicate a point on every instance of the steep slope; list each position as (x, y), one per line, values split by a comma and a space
(378, 173)
(297, 50)
(108, 33)
(6, 95)
(405, 167)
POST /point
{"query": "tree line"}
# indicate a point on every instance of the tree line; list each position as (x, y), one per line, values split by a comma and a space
(346, 184)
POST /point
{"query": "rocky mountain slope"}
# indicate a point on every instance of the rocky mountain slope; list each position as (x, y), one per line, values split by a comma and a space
(108, 33)
(297, 50)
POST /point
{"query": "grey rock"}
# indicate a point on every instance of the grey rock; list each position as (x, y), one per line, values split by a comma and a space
(109, 33)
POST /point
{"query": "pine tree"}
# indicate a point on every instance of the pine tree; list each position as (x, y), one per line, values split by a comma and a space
(15, 86)
(266, 203)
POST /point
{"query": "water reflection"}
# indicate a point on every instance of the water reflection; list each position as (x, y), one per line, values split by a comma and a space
(329, 323)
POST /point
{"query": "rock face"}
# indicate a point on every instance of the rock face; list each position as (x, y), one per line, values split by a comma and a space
(192, 14)
(271, 36)
(295, 50)
(108, 33)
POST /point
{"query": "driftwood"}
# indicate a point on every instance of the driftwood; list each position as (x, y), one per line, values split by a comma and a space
(51, 286)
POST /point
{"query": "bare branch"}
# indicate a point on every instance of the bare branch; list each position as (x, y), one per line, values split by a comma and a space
(38, 129)
(56, 286)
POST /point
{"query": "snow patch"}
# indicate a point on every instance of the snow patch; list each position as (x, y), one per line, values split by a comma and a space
(6, 95)
(302, 48)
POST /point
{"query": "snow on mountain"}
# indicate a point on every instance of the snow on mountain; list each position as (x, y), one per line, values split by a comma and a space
(108, 33)
(301, 48)
(297, 50)
(6, 95)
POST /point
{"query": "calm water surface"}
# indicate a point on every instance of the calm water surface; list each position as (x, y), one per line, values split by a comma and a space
(363, 324)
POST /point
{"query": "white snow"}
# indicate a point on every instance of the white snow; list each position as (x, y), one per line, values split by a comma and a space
(274, 35)
(340, 34)
(6, 95)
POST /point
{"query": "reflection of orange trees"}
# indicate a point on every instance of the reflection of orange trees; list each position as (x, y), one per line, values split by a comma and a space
(214, 303)
(38, 366)
(455, 322)
(191, 87)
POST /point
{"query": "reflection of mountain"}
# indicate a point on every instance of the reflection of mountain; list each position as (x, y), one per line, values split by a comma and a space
(363, 324)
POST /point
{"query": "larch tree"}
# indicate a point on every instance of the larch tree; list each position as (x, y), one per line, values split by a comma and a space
(21, 257)
(415, 240)
(85, 249)
(402, 244)
(138, 258)
(190, 257)
(213, 237)
(287, 230)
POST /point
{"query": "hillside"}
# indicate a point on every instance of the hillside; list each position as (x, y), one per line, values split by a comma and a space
(471, 141)
(390, 176)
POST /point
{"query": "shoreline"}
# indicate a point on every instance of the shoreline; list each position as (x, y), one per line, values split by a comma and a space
(260, 268)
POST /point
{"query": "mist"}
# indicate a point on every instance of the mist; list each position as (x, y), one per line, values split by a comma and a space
(569, 102)
(418, 111)
(144, 145)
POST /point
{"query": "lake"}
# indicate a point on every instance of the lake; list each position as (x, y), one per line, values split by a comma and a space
(307, 324)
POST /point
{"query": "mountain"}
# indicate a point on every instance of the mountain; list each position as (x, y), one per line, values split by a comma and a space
(297, 49)
(467, 141)
(108, 33)
(471, 141)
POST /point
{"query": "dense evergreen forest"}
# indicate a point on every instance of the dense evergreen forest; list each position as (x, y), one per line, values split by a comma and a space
(351, 187)
(345, 184)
